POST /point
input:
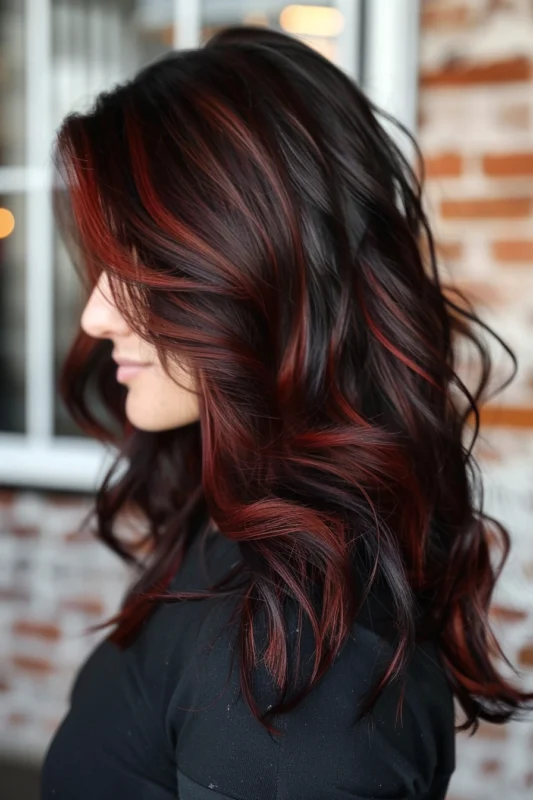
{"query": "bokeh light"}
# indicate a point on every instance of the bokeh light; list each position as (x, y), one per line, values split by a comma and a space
(7, 222)
(311, 20)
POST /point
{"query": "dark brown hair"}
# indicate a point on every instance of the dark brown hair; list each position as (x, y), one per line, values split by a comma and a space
(283, 252)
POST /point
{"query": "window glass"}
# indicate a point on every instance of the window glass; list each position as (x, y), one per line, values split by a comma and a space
(94, 45)
(12, 210)
(12, 312)
(12, 83)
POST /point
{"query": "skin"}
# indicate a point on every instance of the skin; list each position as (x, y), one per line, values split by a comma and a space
(154, 402)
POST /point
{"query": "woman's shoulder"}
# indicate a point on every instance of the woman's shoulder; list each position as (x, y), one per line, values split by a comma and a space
(323, 750)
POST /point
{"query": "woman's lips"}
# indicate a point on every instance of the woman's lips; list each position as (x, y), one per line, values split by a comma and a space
(126, 372)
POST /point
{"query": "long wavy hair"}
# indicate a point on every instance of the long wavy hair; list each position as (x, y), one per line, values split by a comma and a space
(283, 253)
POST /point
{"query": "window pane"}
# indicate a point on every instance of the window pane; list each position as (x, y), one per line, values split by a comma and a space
(12, 83)
(12, 313)
(94, 45)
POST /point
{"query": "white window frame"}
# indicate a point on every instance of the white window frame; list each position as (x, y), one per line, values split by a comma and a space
(38, 458)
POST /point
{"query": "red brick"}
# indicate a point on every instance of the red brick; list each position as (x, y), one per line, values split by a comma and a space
(39, 666)
(504, 165)
(449, 251)
(477, 292)
(436, 16)
(506, 614)
(26, 627)
(17, 718)
(88, 605)
(489, 451)
(491, 766)
(527, 569)
(507, 417)
(76, 536)
(488, 730)
(487, 208)
(484, 453)
(517, 117)
(513, 251)
(464, 73)
(443, 165)
(7, 497)
(14, 593)
(51, 724)
(500, 416)
(525, 655)
(24, 531)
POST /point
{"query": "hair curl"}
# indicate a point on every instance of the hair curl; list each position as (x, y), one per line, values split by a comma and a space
(282, 250)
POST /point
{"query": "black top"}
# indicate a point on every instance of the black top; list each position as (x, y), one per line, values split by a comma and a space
(160, 719)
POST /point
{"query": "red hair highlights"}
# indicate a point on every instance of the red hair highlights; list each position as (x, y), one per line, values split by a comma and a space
(282, 250)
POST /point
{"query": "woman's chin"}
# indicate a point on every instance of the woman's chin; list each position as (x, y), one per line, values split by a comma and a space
(146, 416)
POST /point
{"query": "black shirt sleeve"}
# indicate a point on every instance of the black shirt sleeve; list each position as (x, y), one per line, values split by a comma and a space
(222, 751)
(164, 718)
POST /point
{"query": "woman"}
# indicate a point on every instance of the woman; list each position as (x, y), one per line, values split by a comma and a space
(314, 576)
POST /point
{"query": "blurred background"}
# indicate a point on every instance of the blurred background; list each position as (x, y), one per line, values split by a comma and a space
(458, 74)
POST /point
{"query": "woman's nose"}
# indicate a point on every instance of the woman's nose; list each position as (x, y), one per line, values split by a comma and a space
(100, 317)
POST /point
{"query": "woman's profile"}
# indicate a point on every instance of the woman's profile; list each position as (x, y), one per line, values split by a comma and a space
(311, 607)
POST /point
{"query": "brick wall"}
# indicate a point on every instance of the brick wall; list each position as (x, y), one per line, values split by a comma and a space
(476, 133)
(54, 583)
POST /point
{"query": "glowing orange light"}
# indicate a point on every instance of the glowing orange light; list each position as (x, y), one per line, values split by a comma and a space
(7, 222)
(311, 20)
